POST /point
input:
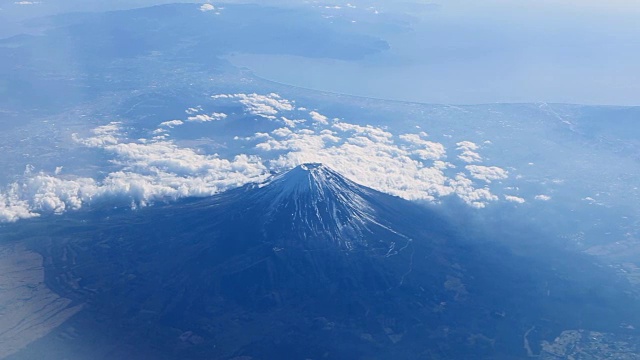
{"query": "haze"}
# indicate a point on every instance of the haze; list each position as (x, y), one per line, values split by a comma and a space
(467, 52)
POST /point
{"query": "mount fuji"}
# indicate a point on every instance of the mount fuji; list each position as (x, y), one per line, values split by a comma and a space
(307, 265)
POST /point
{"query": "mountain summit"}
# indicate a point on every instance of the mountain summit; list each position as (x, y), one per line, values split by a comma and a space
(309, 185)
(313, 201)
(311, 177)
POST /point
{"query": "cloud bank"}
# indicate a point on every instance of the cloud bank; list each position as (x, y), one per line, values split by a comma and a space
(408, 165)
(148, 172)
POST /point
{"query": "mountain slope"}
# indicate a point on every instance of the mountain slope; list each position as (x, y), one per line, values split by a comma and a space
(308, 265)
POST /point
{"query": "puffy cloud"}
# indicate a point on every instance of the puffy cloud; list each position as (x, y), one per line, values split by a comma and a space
(288, 140)
(292, 123)
(196, 115)
(474, 197)
(207, 7)
(467, 145)
(424, 149)
(470, 157)
(373, 133)
(13, 207)
(282, 132)
(193, 110)
(148, 170)
(543, 197)
(204, 117)
(514, 199)
(171, 123)
(165, 157)
(468, 152)
(316, 116)
(266, 106)
(103, 135)
(368, 155)
(443, 165)
(487, 173)
(44, 193)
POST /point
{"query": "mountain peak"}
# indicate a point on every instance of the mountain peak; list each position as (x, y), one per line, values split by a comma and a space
(312, 177)
(311, 166)
(316, 201)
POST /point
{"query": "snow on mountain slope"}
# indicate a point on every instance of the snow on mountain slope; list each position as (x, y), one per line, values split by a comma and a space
(313, 201)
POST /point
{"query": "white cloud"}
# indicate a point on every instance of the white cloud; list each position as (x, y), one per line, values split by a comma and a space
(591, 201)
(468, 152)
(13, 207)
(205, 118)
(487, 173)
(266, 106)
(373, 133)
(467, 145)
(282, 132)
(292, 123)
(470, 156)
(543, 197)
(193, 110)
(515, 199)
(368, 155)
(207, 7)
(477, 198)
(316, 116)
(424, 149)
(171, 123)
(443, 165)
(148, 170)
(103, 135)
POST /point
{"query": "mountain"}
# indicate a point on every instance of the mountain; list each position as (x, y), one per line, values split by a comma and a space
(308, 265)
(314, 207)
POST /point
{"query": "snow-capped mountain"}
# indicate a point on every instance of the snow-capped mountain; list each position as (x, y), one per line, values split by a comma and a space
(313, 206)
(305, 265)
